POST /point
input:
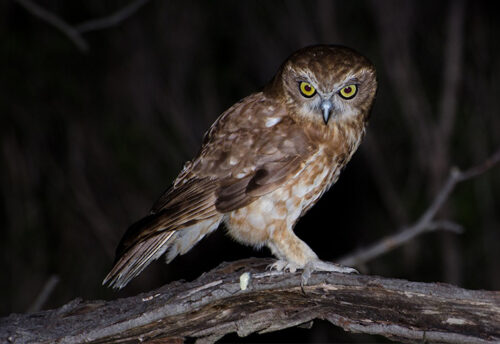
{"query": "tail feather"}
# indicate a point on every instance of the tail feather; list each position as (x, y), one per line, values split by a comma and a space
(133, 260)
(136, 259)
(182, 216)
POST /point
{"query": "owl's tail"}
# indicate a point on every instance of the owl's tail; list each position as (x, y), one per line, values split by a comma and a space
(135, 251)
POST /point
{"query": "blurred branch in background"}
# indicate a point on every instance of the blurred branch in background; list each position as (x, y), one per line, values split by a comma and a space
(426, 222)
(44, 295)
(431, 127)
(74, 33)
(112, 20)
(57, 22)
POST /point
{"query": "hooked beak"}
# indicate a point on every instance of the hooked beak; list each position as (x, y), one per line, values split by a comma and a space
(326, 107)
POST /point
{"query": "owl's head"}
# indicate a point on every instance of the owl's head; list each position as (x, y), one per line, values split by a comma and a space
(325, 83)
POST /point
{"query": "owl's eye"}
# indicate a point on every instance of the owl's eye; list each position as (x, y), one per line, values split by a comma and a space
(307, 89)
(348, 92)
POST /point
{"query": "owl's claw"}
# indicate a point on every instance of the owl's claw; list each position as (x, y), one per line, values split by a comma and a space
(319, 265)
(283, 265)
(309, 268)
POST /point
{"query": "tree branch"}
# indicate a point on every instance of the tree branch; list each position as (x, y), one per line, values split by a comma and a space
(112, 20)
(426, 222)
(57, 22)
(218, 303)
(75, 33)
(453, 62)
(403, 72)
(47, 290)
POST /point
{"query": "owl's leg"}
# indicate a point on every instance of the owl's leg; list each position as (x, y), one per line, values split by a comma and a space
(294, 254)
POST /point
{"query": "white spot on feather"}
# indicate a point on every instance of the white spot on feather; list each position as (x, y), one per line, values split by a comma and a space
(233, 161)
(266, 205)
(272, 121)
(300, 189)
(256, 220)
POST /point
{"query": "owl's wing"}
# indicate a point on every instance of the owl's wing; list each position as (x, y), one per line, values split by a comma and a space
(188, 204)
(237, 193)
(251, 150)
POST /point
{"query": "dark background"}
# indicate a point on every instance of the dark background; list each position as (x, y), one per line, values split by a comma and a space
(89, 140)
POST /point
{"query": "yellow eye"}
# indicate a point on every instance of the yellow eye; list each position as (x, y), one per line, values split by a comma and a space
(348, 92)
(307, 89)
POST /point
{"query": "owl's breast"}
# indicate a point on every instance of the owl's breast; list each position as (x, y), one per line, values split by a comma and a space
(321, 172)
(281, 208)
(255, 223)
(335, 148)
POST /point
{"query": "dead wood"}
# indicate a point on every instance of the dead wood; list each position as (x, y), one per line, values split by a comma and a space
(215, 304)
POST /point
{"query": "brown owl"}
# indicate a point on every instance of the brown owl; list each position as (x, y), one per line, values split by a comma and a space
(262, 165)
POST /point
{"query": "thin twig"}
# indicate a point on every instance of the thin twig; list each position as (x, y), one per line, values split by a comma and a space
(403, 72)
(480, 169)
(44, 294)
(57, 22)
(75, 33)
(453, 62)
(384, 182)
(425, 223)
(112, 20)
(391, 242)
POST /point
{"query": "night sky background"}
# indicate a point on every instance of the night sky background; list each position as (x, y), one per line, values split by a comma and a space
(89, 139)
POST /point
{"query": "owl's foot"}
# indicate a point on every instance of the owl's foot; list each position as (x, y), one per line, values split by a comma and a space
(309, 268)
(283, 265)
(319, 265)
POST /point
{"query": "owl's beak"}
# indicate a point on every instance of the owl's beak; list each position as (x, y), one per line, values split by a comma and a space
(326, 107)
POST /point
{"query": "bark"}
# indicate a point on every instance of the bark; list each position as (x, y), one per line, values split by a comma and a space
(217, 303)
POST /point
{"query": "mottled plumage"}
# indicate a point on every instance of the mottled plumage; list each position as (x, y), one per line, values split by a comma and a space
(263, 163)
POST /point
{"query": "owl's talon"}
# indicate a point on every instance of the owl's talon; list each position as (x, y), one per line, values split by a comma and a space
(277, 265)
(283, 265)
(319, 265)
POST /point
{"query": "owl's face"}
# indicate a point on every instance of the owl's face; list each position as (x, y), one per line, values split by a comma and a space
(326, 83)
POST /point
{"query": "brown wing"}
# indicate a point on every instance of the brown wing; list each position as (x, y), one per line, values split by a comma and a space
(190, 203)
(234, 194)
(252, 149)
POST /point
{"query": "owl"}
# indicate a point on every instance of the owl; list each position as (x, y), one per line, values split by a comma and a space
(262, 165)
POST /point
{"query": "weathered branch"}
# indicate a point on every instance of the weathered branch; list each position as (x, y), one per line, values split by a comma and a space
(217, 303)
(426, 222)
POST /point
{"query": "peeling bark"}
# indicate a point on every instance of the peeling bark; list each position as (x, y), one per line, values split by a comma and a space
(215, 304)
